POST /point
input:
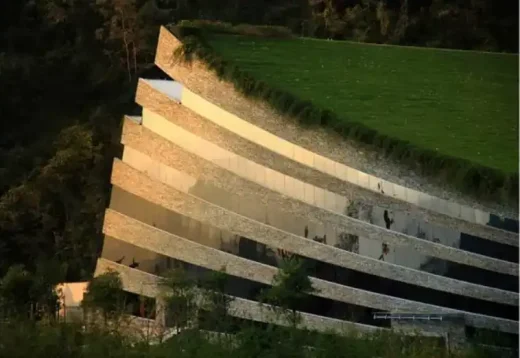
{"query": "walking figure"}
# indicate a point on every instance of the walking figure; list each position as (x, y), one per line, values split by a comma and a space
(388, 221)
(384, 251)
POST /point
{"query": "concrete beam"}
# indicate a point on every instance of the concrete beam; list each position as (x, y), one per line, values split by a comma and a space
(148, 285)
(199, 81)
(177, 190)
(238, 136)
(205, 161)
(139, 234)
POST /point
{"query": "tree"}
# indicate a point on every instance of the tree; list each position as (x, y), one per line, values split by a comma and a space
(104, 295)
(15, 291)
(29, 295)
(291, 286)
(129, 31)
(215, 301)
(334, 25)
(48, 216)
(120, 29)
(179, 298)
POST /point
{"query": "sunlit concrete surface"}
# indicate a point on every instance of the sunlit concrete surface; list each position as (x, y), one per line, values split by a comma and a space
(278, 182)
(141, 283)
(197, 182)
(203, 211)
(145, 236)
(179, 70)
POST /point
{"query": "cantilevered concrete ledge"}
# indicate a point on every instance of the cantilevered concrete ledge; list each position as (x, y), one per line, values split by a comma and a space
(196, 74)
(155, 240)
(145, 284)
(165, 151)
(253, 143)
(162, 186)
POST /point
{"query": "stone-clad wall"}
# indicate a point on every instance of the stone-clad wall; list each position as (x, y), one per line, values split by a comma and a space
(201, 81)
(132, 231)
(142, 283)
(204, 211)
(170, 154)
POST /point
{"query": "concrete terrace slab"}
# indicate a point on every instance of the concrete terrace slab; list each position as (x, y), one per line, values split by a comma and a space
(142, 283)
(170, 88)
(219, 157)
(180, 185)
(135, 119)
(172, 155)
(142, 235)
(196, 77)
(235, 134)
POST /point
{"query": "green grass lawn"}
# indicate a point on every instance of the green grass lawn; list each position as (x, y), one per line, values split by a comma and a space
(463, 104)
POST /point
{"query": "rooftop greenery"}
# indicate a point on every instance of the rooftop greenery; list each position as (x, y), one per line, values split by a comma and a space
(450, 115)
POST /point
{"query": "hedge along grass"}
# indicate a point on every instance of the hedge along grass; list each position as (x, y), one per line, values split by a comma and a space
(449, 115)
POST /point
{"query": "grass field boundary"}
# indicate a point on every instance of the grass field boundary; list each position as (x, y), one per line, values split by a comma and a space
(420, 48)
(479, 181)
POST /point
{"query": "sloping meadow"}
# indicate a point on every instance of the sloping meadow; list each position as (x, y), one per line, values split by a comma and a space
(448, 115)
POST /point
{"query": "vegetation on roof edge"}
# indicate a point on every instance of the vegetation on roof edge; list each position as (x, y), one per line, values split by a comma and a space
(481, 182)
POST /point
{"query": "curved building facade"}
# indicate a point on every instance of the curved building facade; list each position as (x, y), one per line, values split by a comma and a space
(201, 186)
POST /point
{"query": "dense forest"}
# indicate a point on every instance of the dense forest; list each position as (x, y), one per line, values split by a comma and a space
(68, 70)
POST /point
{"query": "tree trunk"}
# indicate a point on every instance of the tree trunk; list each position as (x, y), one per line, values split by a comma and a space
(125, 41)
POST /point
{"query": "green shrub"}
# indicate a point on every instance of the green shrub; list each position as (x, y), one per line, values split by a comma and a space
(105, 295)
(262, 31)
(27, 339)
(204, 27)
(211, 26)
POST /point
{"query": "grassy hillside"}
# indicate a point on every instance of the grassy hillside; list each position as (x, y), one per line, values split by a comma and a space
(461, 104)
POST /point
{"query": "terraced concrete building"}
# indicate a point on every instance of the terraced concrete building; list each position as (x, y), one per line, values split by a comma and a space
(211, 179)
